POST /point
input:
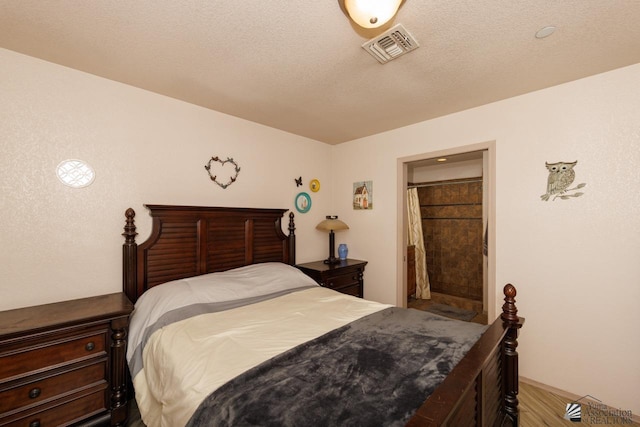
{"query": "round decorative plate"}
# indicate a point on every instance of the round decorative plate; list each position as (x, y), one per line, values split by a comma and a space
(303, 202)
(314, 185)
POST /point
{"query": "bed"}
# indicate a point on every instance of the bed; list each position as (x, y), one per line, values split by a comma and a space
(286, 344)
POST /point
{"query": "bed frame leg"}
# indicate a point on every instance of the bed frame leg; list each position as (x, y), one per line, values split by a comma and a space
(510, 355)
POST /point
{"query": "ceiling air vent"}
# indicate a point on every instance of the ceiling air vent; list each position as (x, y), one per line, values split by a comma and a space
(391, 44)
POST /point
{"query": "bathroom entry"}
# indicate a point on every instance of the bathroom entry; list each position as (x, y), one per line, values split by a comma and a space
(451, 195)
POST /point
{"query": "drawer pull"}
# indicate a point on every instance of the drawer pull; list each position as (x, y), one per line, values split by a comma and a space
(34, 392)
(90, 346)
(34, 423)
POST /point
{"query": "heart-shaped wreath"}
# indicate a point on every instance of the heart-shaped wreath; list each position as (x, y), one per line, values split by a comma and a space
(232, 179)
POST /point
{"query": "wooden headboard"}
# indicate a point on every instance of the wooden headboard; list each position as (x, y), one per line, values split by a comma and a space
(187, 241)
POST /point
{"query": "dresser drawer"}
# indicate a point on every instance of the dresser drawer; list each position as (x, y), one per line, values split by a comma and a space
(44, 356)
(65, 414)
(52, 387)
(65, 363)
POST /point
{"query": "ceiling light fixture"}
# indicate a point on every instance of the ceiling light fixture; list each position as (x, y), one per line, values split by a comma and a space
(441, 159)
(371, 13)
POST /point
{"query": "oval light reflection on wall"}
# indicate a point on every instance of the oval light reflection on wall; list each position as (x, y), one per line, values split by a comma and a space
(75, 173)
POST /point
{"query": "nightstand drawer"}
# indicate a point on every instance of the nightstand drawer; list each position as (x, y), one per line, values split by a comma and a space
(345, 276)
(343, 280)
(43, 356)
(350, 290)
(64, 414)
(48, 388)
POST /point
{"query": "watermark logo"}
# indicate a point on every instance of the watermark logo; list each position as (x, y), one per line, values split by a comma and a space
(596, 412)
(573, 412)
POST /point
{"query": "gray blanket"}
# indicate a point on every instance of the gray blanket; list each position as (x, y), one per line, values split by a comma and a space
(375, 371)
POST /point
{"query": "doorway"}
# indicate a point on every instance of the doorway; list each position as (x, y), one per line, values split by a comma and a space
(450, 223)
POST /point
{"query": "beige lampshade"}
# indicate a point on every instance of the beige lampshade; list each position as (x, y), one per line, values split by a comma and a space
(331, 224)
(371, 13)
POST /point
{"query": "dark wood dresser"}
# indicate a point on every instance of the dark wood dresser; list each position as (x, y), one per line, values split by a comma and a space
(64, 363)
(345, 277)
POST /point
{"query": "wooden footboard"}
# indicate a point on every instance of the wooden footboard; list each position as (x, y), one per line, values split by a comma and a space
(482, 389)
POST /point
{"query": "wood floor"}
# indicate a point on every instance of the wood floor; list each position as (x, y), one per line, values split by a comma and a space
(540, 407)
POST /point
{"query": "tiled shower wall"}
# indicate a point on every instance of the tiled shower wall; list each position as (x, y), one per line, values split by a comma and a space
(452, 226)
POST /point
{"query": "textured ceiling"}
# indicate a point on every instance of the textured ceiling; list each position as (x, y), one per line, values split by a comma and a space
(297, 65)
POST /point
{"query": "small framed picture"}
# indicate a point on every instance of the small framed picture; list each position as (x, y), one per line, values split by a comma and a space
(363, 195)
(303, 202)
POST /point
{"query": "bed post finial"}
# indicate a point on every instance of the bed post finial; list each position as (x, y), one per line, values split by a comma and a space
(292, 226)
(130, 257)
(509, 309)
(292, 240)
(513, 323)
(130, 227)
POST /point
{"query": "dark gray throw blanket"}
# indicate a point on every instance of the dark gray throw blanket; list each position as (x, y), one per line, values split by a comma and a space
(375, 371)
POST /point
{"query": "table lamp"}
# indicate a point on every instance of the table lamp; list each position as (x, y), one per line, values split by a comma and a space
(331, 224)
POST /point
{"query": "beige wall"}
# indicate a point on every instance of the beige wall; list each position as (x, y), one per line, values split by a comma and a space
(576, 263)
(59, 243)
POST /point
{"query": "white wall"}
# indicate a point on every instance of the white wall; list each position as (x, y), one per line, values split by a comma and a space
(59, 243)
(575, 263)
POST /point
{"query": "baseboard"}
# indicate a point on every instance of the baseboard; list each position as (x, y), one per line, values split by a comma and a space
(570, 396)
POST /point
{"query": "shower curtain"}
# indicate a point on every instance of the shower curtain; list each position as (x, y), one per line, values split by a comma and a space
(416, 238)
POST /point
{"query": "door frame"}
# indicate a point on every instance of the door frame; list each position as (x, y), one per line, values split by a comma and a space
(490, 177)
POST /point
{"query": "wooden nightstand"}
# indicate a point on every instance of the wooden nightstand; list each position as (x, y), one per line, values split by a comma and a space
(345, 277)
(64, 362)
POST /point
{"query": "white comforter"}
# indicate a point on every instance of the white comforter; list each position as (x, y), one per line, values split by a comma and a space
(185, 361)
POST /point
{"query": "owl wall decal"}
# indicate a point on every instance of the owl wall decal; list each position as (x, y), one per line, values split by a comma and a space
(561, 176)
